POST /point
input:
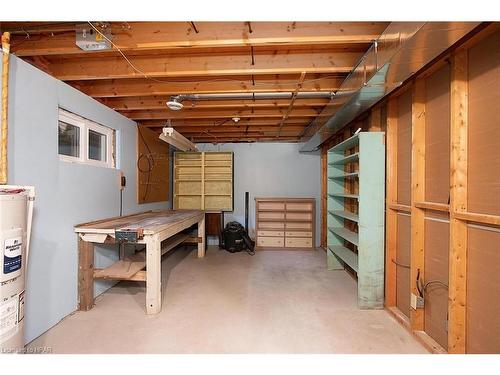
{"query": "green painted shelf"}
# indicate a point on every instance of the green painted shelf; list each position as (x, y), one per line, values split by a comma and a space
(345, 215)
(348, 256)
(346, 234)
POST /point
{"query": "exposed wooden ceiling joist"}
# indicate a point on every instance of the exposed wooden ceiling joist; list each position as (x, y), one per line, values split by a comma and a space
(218, 122)
(147, 36)
(209, 65)
(217, 113)
(145, 87)
(155, 102)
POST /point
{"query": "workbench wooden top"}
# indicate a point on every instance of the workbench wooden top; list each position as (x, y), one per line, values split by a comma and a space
(150, 222)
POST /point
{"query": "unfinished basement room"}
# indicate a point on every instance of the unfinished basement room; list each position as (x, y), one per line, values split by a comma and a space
(205, 184)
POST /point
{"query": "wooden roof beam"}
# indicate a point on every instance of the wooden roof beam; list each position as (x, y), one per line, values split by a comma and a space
(144, 87)
(150, 36)
(154, 66)
(217, 114)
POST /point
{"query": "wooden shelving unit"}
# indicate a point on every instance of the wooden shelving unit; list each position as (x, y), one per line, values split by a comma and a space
(285, 223)
(355, 219)
(203, 180)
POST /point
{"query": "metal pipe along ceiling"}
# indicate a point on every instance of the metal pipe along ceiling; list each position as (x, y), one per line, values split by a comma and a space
(257, 96)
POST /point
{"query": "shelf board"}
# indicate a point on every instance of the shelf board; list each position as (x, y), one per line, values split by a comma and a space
(217, 195)
(219, 179)
(343, 195)
(345, 215)
(270, 210)
(262, 220)
(346, 144)
(188, 179)
(188, 195)
(348, 256)
(346, 175)
(346, 234)
(348, 159)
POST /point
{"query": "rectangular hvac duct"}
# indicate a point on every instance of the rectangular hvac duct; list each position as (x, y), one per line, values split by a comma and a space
(402, 50)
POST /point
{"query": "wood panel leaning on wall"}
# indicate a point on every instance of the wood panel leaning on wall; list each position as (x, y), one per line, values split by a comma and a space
(152, 167)
(442, 206)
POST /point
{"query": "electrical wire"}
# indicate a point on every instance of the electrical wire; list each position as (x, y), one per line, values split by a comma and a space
(400, 264)
(139, 71)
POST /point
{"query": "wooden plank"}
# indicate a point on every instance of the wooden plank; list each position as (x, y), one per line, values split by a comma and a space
(417, 194)
(158, 66)
(201, 234)
(159, 102)
(164, 36)
(5, 107)
(141, 87)
(85, 275)
(478, 218)
(433, 206)
(458, 203)
(399, 207)
(218, 113)
(153, 164)
(123, 269)
(391, 199)
(153, 274)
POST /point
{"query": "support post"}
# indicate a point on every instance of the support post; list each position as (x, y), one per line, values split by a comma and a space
(85, 275)
(458, 204)
(417, 260)
(153, 274)
(5, 107)
(201, 234)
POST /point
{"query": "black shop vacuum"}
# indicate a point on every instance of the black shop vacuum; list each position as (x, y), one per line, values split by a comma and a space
(235, 237)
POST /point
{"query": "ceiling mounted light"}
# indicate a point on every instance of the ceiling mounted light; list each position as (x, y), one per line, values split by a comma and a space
(236, 119)
(174, 105)
(174, 138)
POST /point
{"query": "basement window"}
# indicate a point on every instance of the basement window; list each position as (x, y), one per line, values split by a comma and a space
(84, 141)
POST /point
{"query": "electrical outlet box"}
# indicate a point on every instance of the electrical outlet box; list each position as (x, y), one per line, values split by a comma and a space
(416, 302)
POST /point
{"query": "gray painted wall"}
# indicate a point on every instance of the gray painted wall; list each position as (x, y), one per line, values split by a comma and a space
(271, 170)
(67, 193)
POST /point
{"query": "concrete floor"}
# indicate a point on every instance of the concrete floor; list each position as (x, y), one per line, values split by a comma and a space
(273, 302)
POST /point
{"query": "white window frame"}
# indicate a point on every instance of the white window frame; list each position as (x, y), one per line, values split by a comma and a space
(85, 125)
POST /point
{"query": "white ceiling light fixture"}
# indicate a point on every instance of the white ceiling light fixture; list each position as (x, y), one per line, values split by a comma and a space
(236, 119)
(174, 105)
(176, 139)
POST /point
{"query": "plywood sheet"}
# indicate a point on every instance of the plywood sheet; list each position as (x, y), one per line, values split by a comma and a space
(437, 239)
(404, 147)
(403, 244)
(152, 167)
(483, 291)
(484, 128)
(437, 136)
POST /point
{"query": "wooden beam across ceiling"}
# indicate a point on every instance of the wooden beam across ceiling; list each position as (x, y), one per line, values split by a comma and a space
(154, 66)
(145, 87)
(150, 36)
(217, 113)
(159, 102)
(220, 121)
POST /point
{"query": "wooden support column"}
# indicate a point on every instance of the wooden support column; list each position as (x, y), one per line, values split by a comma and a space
(417, 195)
(201, 234)
(391, 199)
(153, 274)
(85, 275)
(458, 204)
(375, 120)
(5, 107)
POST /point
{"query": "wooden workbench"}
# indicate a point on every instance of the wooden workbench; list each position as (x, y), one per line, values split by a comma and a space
(160, 231)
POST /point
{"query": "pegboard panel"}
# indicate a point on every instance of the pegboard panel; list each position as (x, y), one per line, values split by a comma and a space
(152, 167)
(437, 241)
(483, 290)
(404, 102)
(484, 128)
(437, 136)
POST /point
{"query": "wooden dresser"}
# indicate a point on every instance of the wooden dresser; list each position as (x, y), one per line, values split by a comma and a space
(285, 223)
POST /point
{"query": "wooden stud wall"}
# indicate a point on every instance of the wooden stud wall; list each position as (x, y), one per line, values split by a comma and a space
(441, 197)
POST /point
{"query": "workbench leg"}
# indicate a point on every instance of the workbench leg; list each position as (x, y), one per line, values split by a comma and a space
(153, 275)
(201, 234)
(85, 275)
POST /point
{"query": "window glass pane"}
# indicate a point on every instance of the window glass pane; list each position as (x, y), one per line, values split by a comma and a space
(97, 146)
(69, 139)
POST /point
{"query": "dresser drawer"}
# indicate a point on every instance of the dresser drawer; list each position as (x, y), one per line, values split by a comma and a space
(270, 233)
(298, 242)
(270, 241)
(299, 226)
(271, 225)
(271, 215)
(271, 206)
(298, 234)
(299, 216)
(303, 206)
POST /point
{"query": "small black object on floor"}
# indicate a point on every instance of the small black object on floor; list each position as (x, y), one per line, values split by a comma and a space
(235, 239)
